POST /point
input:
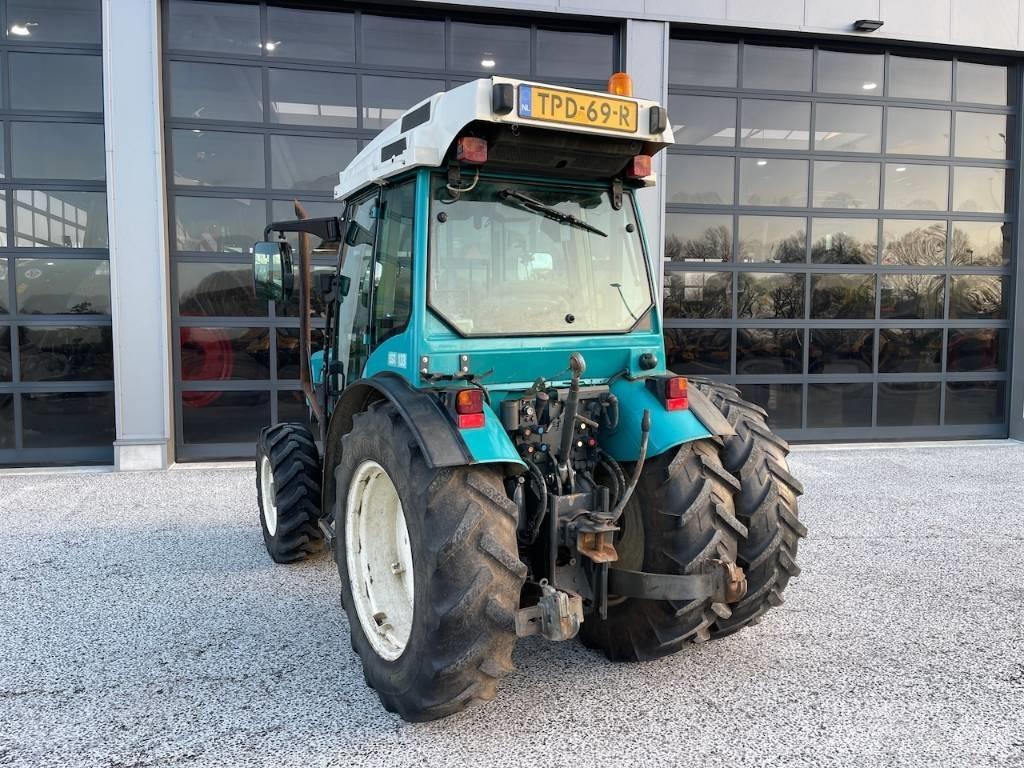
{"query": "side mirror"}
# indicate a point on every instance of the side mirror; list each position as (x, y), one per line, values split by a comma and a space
(272, 271)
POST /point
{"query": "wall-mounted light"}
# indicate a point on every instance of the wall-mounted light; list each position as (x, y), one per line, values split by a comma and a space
(867, 25)
(869, 86)
(487, 63)
(23, 30)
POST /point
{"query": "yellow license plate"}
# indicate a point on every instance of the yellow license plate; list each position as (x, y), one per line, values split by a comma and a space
(555, 106)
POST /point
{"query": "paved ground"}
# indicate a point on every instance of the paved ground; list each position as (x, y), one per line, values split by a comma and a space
(141, 623)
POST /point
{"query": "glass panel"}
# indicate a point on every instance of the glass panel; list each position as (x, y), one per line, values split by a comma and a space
(59, 219)
(66, 353)
(838, 405)
(217, 290)
(917, 132)
(386, 98)
(698, 237)
(300, 97)
(216, 92)
(392, 292)
(841, 352)
(844, 241)
(58, 151)
(975, 402)
(783, 402)
(303, 34)
(981, 243)
(698, 351)
(63, 286)
(213, 26)
(910, 350)
(305, 162)
(771, 295)
(293, 409)
(6, 421)
(223, 417)
(68, 419)
(845, 297)
(769, 351)
(218, 224)
(217, 159)
(847, 128)
(908, 404)
(775, 124)
(912, 297)
(979, 189)
(856, 73)
(977, 349)
(697, 295)
(778, 69)
(5, 354)
(775, 239)
(981, 135)
(981, 83)
(916, 187)
(491, 49)
(56, 82)
(845, 185)
(587, 55)
(693, 62)
(700, 179)
(703, 120)
(913, 243)
(54, 21)
(773, 182)
(398, 42)
(3, 286)
(288, 356)
(317, 307)
(224, 354)
(920, 78)
(977, 297)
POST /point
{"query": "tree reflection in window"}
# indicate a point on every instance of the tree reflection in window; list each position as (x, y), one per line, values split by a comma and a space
(691, 295)
(914, 243)
(912, 297)
(774, 295)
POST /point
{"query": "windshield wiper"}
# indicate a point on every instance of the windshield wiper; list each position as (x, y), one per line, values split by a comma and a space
(554, 214)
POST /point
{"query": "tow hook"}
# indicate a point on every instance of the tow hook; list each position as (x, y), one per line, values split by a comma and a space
(733, 583)
(556, 616)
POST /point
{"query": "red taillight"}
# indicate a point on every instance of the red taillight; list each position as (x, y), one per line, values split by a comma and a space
(471, 150)
(471, 420)
(469, 408)
(676, 396)
(639, 167)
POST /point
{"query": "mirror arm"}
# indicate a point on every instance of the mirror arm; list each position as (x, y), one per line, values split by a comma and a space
(327, 228)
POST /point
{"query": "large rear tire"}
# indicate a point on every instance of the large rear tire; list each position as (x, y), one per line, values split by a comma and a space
(288, 490)
(435, 638)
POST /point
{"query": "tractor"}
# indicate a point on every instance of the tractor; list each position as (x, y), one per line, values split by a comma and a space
(498, 448)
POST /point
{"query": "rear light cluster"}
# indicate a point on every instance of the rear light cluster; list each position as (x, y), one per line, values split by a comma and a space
(671, 391)
(639, 167)
(471, 149)
(469, 408)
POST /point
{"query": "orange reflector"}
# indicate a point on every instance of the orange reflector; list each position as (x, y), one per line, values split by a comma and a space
(471, 149)
(471, 420)
(469, 401)
(620, 84)
(639, 167)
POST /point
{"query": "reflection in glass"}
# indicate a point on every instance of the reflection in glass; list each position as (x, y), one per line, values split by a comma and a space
(847, 128)
(65, 353)
(908, 404)
(975, 402)
(5, 354)
(912, 78)
(844, 241)
(301, 97)
(774, 239)
(861, 74)
(917, 132)
(768, 124)
(224, 354)
(778, 69)
(696, 62)
(698, 351)
(977, 349)
(700, 179)
(771, 295)
(63, 286)
(62, 82)
(217, 290)
(773, 182)
(288, 357)
(841, 351)
(490, 48)
(211, 26)
(981, 83)
(59, 219)
(58, 151)
(916, 187)
(6, 422)
(910, 350)
(769, 351)
(304, 34)
(575, 54)
(292, 408)
(845, 185)
(838, 405)
(54, 21)
(707, 121)
(912, 297)
(981, 243)
(223, 417)
(216, 92)
(217, 158)
(846, 297)
(67, 419)
(977, 297)
(689, 295)
(913, 242)
(3, 286)
(981, 135)
(783, 402)
(386, 98)
(308, 162)
(317, 308)
(218, 225)
(396, 42)
(979, 189)
(698, 237)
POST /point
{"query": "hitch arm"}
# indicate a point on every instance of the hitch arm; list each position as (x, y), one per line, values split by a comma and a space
(721, 580)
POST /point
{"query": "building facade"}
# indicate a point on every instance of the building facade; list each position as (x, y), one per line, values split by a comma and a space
(837, 227)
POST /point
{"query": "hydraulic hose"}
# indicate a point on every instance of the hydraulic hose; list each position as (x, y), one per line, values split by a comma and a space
(645, 433)
(542, 499)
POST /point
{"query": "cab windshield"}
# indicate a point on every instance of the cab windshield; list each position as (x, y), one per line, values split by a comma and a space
(508, 257)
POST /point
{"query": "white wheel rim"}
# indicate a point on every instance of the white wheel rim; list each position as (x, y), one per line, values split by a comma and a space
(379, 560)
(269, 494)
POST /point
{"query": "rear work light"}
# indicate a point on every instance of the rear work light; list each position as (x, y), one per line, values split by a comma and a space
(471, 149)
(639, 167)
(469, 408)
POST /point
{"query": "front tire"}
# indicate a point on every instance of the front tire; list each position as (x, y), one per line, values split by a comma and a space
(288, 490)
